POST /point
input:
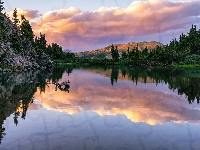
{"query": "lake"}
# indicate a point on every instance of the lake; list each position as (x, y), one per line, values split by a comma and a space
(105, 108)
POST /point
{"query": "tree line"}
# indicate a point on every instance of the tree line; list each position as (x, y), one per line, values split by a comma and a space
(185, 50)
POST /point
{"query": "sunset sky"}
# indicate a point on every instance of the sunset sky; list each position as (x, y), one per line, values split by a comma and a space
(91, 24)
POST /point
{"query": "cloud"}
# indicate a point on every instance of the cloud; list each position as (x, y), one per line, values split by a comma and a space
(143, 103)
(81, 30)
(29, 14)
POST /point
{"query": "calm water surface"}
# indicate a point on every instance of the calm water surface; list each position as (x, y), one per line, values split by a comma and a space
(104, 109)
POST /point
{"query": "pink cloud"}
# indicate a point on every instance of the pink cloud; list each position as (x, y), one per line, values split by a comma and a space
(80, 30)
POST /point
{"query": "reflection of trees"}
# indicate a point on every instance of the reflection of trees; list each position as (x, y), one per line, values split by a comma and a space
(69, 69)
(188, 86)
(177, 79)
(43, 81)
(114, 75)
(185, 81)
(57, 75)
(16, 95)
(64, 86)
(59, 70)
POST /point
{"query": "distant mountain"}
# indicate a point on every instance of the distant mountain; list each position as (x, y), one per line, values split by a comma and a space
(105, 52)
(67, 51)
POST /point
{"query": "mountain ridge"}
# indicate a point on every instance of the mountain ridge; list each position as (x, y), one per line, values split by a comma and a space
(105, 52)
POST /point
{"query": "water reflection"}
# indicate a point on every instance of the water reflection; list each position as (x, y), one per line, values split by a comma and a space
(185, 81)
(114, 75)
(16, 95)
(152, 96)
(140, 102)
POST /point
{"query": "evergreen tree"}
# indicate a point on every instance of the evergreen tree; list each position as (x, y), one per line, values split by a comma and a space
(15, 20)
(49, 50)
(3, 28)
(114, 53)
(40, 44)
(57, 52)
(43, 42)
(26, 29)
(193, 40)
(1, 6)
(128, 50)
(124, 55)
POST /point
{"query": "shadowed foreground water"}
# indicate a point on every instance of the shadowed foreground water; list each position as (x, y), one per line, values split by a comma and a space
(104, 108)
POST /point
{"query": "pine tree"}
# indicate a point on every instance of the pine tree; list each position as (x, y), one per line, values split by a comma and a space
(114, 53)
(57, 51)
(40, 44)
(2, 25)
(128, 50)
(193, 38)
(49, 50)
(15, 20)
(124, 55)
(1, 6)
(43, 42)
(26, 29)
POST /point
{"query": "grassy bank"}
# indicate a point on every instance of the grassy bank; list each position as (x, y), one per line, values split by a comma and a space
(186, 66)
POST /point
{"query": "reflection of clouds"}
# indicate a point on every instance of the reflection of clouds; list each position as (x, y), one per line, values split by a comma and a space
(143, 103)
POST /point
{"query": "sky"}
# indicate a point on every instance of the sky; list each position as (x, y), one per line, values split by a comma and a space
(91, 24)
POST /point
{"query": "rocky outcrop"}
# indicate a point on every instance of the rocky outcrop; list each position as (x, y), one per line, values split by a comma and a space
(27, 58)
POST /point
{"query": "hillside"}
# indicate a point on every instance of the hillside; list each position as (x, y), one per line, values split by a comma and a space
(105, 52)
(17, 50)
